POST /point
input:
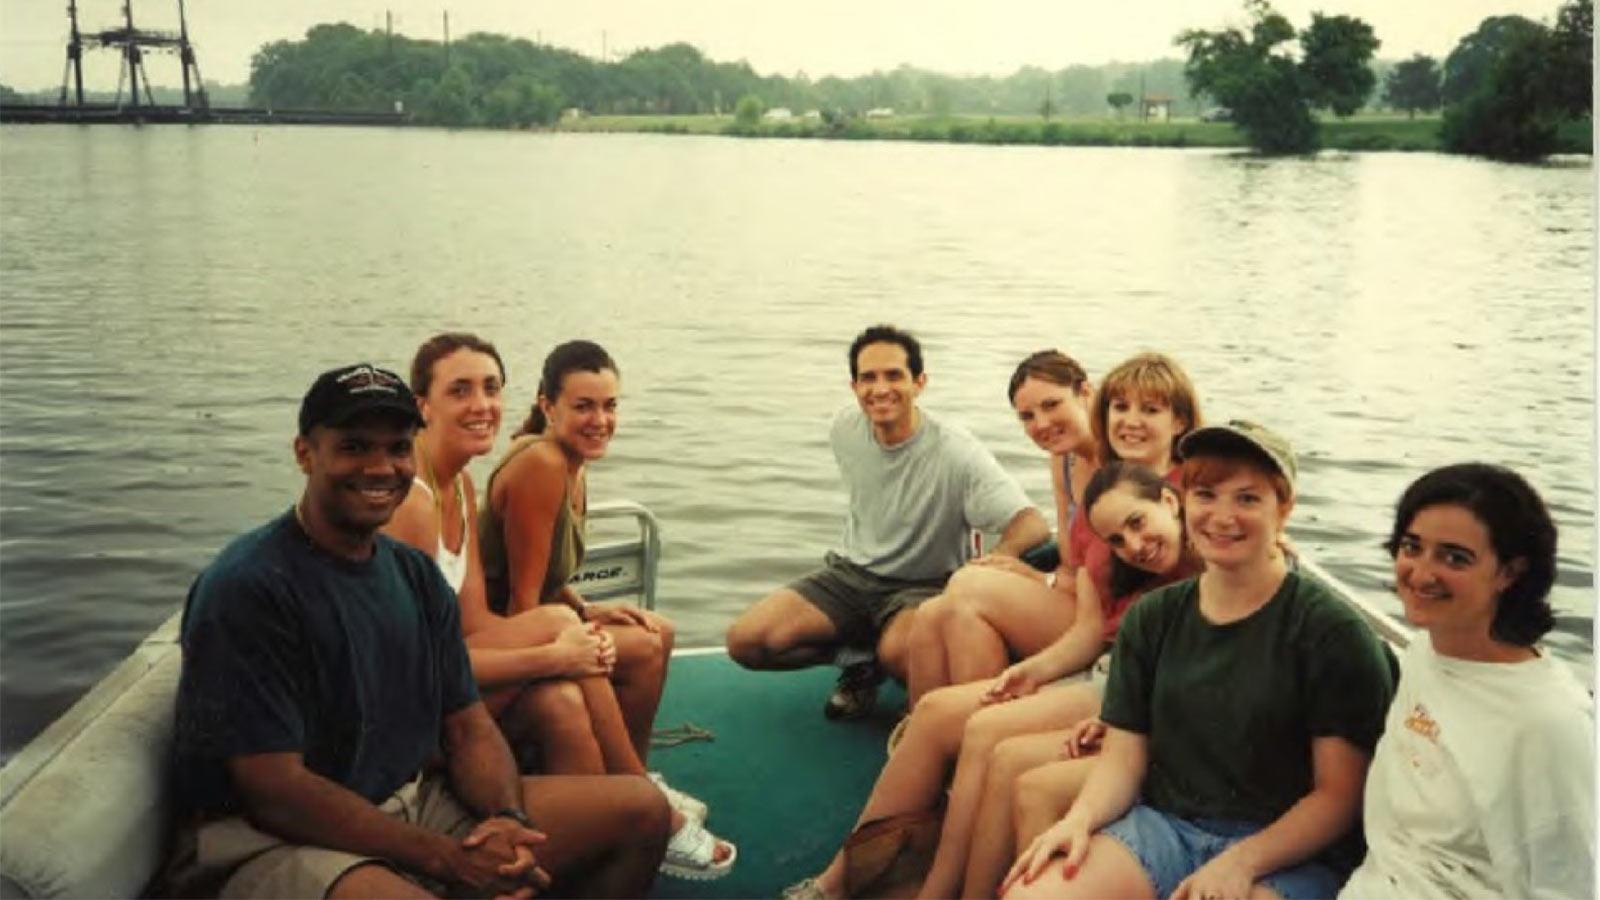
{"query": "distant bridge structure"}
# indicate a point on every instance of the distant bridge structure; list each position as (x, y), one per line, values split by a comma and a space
(132, 42)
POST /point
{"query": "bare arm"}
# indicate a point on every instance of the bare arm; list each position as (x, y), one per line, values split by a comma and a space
(1339, 772)
(1026, 530)
(580, 650)
(483, 772)
(1078, 646)
(531, 490)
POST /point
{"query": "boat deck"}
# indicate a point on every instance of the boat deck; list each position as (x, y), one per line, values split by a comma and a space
(782, 782)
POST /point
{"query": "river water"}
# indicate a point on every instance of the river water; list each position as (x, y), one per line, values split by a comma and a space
(167, 293)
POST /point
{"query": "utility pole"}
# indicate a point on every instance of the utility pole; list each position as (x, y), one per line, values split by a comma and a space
(1144, 108)
(132, 53)
(74, 57)
(447, 39)
(603, 57)
(388, 31)
(187, 60)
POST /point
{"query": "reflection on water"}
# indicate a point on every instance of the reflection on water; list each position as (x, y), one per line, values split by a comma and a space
(169, 293)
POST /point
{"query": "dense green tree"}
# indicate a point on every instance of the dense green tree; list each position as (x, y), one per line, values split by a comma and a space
(8, 95)
(1572, 69)
(1253, 75)
(1413, 85)
(1335, 67)
(748, 112)
(1527, 89)
(1118, 99)
(1470, 62)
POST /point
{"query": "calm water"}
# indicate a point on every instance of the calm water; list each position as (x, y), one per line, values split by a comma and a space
(168, 293)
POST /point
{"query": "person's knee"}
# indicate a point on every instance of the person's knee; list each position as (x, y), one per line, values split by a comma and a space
(644, 806)
(666, 633)
(749, 643)
(1010, 758)
(985, 729)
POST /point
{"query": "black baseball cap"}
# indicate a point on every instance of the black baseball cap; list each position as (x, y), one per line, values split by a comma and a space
(339, 395)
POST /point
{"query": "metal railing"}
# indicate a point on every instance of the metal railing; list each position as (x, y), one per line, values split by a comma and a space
(621, 568)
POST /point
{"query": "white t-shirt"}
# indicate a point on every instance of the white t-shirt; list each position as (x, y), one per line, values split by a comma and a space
(914, 505)
(1482, 785)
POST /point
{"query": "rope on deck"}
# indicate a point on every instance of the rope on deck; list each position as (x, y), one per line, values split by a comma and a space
(686, 733)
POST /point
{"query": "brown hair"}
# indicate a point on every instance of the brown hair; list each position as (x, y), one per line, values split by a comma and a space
(1208, 469)
(441, 345)
(1047, 365)
(1153, 375)
(573, 356)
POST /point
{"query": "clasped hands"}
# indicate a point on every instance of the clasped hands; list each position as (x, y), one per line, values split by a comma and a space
(497, 858)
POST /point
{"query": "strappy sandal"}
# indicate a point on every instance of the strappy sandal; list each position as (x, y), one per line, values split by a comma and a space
(692, 851)
(692, 808)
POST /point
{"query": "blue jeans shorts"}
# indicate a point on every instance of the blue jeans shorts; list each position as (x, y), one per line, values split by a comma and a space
(1171, 848)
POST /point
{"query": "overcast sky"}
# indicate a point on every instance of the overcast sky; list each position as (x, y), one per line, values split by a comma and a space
(819, 37)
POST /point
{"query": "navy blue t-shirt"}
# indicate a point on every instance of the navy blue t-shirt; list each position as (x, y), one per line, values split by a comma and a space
(287, 648)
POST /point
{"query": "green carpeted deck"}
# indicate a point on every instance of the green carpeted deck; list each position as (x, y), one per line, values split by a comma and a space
(782, 782)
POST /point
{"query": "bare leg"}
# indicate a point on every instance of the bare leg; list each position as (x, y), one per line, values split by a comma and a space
(606, 834)
(783, 631)
(1002, 615)
(894, 644)
(914, 776)
(1045, 711)
(926, 665)
(554, 716)
(641, 675)
(1109, 870)
(375, 881)
(992, 848)
(1044, 795)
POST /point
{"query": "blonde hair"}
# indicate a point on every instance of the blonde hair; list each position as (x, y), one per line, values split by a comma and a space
(1153, 376)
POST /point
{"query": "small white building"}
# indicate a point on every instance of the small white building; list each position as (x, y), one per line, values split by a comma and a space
(881, 112)
(777, 114)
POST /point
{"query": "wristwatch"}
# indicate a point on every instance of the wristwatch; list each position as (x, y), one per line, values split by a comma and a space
(515, 815)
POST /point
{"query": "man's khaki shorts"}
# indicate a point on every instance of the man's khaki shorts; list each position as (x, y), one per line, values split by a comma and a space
(860, 602)
(231, 858)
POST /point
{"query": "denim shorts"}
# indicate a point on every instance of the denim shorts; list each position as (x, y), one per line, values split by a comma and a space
(1171, 848)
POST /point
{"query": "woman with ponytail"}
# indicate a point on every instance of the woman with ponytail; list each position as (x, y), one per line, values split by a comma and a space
(532, 536)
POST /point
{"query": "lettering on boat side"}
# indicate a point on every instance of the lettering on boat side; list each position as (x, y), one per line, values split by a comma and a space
(596, 575)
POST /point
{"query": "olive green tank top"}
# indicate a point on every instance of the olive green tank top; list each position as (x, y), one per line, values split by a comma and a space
(566, 542)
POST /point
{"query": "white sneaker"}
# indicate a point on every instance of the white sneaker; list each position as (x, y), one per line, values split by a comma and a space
(691, 807)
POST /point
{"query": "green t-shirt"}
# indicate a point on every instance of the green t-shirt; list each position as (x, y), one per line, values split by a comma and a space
(1230, 710)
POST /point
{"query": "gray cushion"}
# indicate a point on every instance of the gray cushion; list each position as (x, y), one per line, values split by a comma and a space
(85, 805)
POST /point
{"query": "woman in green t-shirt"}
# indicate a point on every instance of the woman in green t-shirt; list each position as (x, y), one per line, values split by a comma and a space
(1241, 711)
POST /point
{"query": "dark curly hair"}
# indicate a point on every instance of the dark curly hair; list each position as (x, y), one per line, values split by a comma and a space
(1519, 526)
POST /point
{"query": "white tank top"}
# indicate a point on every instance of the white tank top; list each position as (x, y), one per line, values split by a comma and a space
(453, 565)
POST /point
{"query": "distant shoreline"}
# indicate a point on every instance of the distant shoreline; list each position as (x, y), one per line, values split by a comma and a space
(1361, 132)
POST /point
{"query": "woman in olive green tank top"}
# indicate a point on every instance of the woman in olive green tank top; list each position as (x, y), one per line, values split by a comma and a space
(531, 537)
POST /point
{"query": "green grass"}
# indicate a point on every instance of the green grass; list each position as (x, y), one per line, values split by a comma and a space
(1366, 132)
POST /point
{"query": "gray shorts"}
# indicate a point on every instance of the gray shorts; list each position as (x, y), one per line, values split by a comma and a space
(859, 602)
(229, 857)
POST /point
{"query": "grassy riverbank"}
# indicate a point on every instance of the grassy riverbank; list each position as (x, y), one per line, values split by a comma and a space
(1359, 133)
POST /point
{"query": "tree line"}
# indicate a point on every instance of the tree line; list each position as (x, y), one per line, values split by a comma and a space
(1505, 88)
(494, 80)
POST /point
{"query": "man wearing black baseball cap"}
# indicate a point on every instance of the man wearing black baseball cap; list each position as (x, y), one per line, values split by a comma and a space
(329, 736)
